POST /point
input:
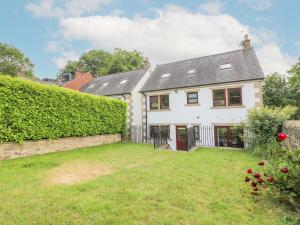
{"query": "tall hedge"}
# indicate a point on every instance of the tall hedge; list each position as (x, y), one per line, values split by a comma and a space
(33, 111)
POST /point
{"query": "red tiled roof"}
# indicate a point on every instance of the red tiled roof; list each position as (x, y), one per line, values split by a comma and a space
(80, 80)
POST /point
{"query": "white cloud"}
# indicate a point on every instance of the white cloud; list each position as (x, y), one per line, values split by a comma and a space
(257, 4)
(174, 33)
(60, 61)
(273, 59)
(212, 7)
(54, 46)
(62, 8)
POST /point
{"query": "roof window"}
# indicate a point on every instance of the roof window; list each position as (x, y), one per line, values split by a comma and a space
(123, 81)
(226, 66)
(191, 72)
(166, 75)
(105, 84)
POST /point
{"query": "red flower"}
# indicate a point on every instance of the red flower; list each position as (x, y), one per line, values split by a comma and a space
(261, 163)
(259, 180)
(247, 179)
(270, 179)
(253, 184)
(257, 175)
(249, 171)
(284, 170)
(255, 189)
(282, 136)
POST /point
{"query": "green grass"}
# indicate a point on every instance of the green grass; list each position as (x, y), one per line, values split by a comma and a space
(203, 187)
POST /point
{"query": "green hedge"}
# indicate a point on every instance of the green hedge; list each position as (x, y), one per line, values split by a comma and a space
(33, 111)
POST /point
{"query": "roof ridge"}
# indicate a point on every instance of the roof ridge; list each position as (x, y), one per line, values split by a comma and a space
(115, 74)
(205, 56)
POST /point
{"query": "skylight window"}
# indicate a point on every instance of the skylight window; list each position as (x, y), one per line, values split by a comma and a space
(226, 66)
(166, 75)
(123, 81)
(104, 85)
(191, 72)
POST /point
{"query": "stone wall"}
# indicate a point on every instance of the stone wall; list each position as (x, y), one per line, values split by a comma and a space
(29, 148)
(292, 128)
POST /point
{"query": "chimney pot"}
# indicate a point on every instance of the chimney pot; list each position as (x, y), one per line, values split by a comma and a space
(246, 42)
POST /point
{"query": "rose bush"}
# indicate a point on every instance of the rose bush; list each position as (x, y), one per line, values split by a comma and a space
(281, 174)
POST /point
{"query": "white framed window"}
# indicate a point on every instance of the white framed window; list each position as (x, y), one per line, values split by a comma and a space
(123, 82)
(166, 75)
(105, 84)
(225, 66)
(190, 72)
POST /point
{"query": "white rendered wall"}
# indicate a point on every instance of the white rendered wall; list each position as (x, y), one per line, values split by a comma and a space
(202, 114)
(137, 100)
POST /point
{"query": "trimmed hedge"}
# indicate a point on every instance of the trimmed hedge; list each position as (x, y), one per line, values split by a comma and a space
(33, 111)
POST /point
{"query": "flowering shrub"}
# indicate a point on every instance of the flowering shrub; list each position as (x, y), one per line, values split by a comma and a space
(280, 175)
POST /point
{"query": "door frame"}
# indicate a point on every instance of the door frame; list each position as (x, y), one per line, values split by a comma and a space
(228, 135)
(177, 139)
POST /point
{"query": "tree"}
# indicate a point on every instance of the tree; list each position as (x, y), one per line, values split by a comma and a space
(96, 61)
(14, 63)
(277, 91)
(101, 63)
(125, 61)
(294, 83)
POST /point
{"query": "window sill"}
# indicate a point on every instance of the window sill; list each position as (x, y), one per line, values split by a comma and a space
(228, 107)
(159, 110)
(194, 104)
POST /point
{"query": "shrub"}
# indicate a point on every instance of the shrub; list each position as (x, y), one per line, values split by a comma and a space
(33, 111)
(281, 174)
(263, 124)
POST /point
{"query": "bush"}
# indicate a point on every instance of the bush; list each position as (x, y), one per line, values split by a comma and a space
(263, 124)
(281, 175)
(32, 111)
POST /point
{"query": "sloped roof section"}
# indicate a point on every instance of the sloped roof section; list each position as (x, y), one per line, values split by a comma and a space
(114, 84)
(239, 65)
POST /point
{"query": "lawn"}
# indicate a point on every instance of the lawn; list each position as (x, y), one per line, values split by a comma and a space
(133, 184)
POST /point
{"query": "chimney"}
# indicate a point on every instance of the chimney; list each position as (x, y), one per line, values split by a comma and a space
(246, 42)
(146, 64)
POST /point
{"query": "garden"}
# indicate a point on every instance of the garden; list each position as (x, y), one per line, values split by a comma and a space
(127, 183)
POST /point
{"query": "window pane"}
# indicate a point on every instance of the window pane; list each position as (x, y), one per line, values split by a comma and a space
(192, 97)
(154, 131)
(154, 102)
(164, 102)
(219, 97)
(165, 131)
(234, 96)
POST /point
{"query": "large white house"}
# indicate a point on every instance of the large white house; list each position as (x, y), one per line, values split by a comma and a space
(213, 93)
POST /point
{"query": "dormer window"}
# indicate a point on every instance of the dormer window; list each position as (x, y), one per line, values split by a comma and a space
(66, 77)
(166, 75)
(190, 72)
(123, 81)
(105, 84)
(225, 66)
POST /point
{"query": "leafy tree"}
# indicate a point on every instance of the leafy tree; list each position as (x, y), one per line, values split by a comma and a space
(101, 63)
(14, 63)
(277, 91)
(294, 84)
(95, 61)
(125, 61)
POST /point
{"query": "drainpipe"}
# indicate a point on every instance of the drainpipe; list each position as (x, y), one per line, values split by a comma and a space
(146, 115)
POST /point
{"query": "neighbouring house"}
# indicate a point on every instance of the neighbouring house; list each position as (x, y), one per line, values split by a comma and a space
(75, 81)
(208, 95)
(124, 86)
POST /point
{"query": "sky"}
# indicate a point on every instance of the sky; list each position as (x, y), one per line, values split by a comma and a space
(51, 32)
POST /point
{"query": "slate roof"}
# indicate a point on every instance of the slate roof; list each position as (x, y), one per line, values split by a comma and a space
(245, 66)
(113, 87)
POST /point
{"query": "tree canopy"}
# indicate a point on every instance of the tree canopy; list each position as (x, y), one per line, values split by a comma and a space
(281, 90)
(101, 63)
(14, 63)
